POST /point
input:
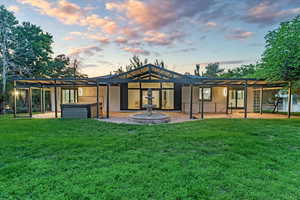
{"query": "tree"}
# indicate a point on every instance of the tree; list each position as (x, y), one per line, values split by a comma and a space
(159, 63)
(213, 70)
(244, 71)
(281, 58)
(197, 70)
(8, 23)
(136, 62)
(33, 51)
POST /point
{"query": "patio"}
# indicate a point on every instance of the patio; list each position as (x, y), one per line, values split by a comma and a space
(177, 117)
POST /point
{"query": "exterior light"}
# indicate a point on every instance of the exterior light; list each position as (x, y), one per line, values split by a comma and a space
(16, 93)
(225, 92)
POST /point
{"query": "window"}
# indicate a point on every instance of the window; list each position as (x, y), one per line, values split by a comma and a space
(133, 99)
(207, 94)
(167, 85)
(150, 85)
(134, 85)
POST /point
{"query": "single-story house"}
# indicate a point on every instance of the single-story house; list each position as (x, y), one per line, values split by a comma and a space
(172, 91)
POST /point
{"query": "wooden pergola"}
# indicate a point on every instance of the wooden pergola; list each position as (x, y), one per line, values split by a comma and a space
(147, 73)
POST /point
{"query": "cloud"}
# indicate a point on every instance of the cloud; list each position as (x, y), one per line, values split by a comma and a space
(94, 21)
(269, 12)
(121, 40)
(239, 34)
(155, 14)
(99, 38)
(70, 13)
(87, 51)
(211, 24)
(14, 9)
(136, 51)
(159, 38)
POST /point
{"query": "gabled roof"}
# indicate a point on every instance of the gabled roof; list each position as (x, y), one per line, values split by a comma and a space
(145, 72)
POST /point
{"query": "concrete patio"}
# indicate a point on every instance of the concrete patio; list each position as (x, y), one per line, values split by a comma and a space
(176, 117)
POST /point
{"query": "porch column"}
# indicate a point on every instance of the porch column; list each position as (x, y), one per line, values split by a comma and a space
(30, 101)
(41, 99)
(289, 99)
(191, 101)
(202, 103)
(15, 99)
(97, 99)
(55, 98)
(261, 100)
(227, 99)
(107, 101)
(245, 100)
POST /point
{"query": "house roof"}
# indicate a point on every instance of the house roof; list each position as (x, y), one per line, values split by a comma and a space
(150, 73)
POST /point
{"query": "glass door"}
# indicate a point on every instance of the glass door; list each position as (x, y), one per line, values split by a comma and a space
(236, 99)
(155, 100)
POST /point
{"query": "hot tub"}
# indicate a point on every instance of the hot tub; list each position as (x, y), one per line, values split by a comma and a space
(79, 110)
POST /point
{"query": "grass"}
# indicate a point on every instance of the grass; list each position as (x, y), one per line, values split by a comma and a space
(210, 159)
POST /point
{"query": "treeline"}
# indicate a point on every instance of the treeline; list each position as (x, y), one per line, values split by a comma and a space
(26, 52)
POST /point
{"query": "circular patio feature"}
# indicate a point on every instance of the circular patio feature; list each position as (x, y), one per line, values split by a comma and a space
(154, 118)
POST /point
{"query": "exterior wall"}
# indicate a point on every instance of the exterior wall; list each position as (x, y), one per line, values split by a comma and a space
(217, 103)
(89, 95)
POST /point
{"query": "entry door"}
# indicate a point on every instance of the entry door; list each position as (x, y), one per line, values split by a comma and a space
(155, 100)
(236, 99)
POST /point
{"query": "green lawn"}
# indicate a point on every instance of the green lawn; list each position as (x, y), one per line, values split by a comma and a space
(210, 159)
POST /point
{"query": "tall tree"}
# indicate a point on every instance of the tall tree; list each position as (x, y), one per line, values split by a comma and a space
(33, 50)
(8, 23)
(281, 58)
(213, 70)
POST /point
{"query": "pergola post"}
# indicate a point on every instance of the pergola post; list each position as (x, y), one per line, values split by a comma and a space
(202, 103)
(107, 101)
(227, 99)
(41, 100)
(261, 100)
(97, 99)
(55, 99)
(15, 99)
(245, 100)
(289, 99)
(30, 101)
(191, 101)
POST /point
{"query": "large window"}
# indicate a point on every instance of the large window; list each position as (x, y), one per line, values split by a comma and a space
(207, 94)
(134, 99)
(163, 94)
(167, 99)
(69, 96)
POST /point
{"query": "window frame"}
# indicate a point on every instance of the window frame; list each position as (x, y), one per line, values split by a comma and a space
(210, 96)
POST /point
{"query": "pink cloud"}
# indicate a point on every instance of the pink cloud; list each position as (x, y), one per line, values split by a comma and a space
(268, 12)
(158, 38)
(121, 40)
(70, 13)
(14, 9)
(136, 51)
(87, 50)
(239, 34)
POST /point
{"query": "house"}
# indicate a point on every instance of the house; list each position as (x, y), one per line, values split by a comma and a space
(172, 91)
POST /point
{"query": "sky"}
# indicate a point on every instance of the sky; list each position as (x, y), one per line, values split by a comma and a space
(104, 34)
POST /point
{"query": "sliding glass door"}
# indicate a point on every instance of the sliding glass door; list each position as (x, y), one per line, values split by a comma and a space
(236, 98)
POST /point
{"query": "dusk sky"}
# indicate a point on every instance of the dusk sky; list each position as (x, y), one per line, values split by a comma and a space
(106, 33)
